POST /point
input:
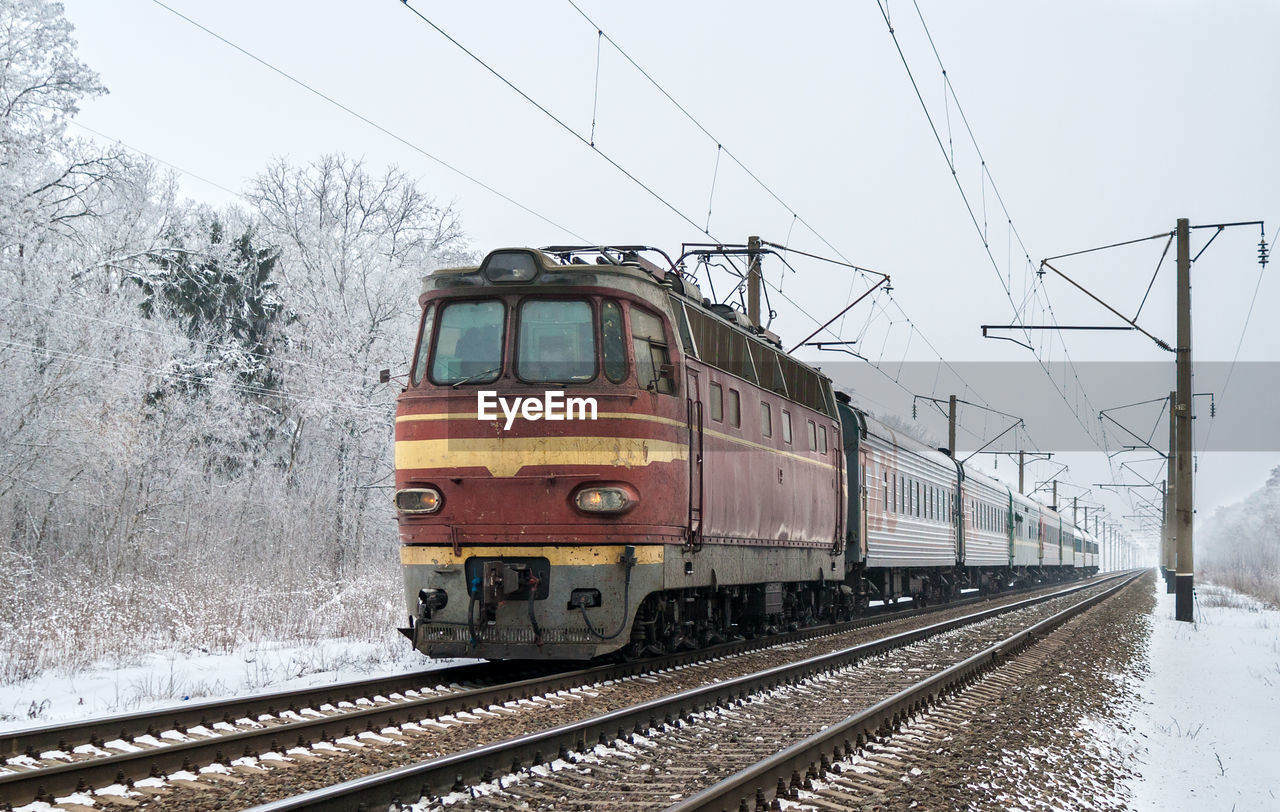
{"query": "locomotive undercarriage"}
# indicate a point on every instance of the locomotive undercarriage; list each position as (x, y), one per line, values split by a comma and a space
(696, 617)
(524, 607)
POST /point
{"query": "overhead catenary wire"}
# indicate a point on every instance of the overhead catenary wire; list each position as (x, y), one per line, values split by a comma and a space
(160, 161)
(795, 215)
(1018, 316)
(380, 128)
(876, 365)
(719, 142)
(586, 141)
(560, 122)
(1244, 329)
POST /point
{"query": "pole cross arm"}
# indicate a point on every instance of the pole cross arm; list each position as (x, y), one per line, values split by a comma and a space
(849, 307)
(993, 439)
(1044, 263)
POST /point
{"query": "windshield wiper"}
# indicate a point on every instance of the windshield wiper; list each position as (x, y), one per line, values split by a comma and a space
(471, 378)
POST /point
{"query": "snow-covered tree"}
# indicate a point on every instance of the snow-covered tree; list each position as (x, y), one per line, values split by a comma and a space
(191, 415)
(1240, 545)
(355, 244)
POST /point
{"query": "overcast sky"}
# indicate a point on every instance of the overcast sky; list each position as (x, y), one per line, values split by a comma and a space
(1099, 122)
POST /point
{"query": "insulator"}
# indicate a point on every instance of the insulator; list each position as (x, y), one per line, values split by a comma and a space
(913, 410)
(1263, 252)
(1213, 409)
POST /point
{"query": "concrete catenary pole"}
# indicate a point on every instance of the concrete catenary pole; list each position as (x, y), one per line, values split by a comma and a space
(1022, 465)
(1184, 579)
(753, 279)
(1170, 550)
(951, 428)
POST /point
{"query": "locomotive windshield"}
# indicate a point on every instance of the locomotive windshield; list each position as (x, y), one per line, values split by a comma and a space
(469, 345)
(556, 342)
(551, 341)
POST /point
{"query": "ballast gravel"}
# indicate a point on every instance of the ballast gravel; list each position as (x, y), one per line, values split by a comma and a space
(253, 782)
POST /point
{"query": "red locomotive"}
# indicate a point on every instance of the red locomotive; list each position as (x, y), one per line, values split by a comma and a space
(590, 457)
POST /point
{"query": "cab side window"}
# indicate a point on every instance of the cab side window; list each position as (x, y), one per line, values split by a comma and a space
(614, 343)
(424, 344)
(653, 363)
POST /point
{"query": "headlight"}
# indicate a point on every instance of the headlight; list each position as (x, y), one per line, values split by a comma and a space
(510, 266)
(418, 500)
(604, 500)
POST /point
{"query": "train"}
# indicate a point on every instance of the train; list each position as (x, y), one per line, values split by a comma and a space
(593, 460)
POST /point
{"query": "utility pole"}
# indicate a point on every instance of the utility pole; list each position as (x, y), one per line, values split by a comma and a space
(1074, 508)
(753, 279)
(1054, 505)
(951, 428)
(1184, 578)
(1170, 550)
(1022, 464)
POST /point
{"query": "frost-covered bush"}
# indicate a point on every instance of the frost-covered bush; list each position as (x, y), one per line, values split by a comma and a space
(194, 449)
(1240, 546)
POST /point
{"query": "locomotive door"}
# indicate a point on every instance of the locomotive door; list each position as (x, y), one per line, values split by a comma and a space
(863, 460)
(694, 416)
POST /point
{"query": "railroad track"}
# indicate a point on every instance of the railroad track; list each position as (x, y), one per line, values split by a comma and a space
(650, 754)
(54, 761)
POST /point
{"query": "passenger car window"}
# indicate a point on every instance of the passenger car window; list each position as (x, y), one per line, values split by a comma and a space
(469, 342)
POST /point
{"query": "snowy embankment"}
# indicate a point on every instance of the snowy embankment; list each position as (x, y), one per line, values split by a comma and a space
(164, 679)
(1205, 733)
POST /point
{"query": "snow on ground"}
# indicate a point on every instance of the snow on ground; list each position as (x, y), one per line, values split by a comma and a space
(1208, 727)
(165, 679)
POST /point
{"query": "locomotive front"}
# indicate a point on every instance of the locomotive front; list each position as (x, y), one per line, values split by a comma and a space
(541, 454)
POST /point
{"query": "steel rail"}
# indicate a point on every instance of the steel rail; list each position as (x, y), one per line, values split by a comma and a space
(62, 736)
(781, 773)
(45, 783)
(454, 772)
(65, 735)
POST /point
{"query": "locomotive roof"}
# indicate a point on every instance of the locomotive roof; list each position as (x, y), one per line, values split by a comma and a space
(622, 267)
(550, 270)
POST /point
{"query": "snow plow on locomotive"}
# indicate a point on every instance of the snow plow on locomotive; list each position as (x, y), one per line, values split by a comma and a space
(592, 458)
